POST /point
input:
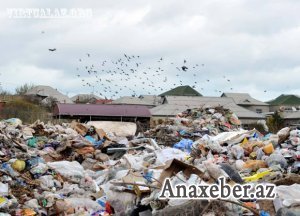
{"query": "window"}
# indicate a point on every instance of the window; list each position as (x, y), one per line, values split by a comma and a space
(245, 126)
(258, 110)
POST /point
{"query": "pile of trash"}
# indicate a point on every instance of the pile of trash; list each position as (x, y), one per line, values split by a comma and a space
(80, 169)
(194, 123)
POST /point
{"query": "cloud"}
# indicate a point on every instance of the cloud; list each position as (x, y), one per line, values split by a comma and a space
(252, 43)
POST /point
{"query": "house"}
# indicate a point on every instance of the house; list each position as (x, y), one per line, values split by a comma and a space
(248, 102)
(285, 102)
(181, 91)
(103, 112)
(85, 98)
(291, 118)
(47, 94)
(175, 104)
(144, 100)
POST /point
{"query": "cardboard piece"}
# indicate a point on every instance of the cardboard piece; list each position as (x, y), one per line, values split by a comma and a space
(79, 128)
(174, 166)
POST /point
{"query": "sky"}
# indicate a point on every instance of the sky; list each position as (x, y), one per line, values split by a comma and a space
(249, 46)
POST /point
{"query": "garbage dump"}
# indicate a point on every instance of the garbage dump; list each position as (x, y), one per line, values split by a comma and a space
(78, 169)
(194, 123)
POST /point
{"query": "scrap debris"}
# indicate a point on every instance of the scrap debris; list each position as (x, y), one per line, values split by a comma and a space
(79, 169)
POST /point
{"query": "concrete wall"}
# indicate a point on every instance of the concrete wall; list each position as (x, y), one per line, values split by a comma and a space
(288, 122)
(254, 108)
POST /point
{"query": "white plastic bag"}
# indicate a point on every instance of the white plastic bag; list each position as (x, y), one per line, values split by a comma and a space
(290, 194)
(70, 170)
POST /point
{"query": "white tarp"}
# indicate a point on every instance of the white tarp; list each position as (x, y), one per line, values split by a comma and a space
(118, 128)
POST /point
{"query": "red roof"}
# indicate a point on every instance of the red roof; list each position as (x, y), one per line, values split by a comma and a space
(101, 110)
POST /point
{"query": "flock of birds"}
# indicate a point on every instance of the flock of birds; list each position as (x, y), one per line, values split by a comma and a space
(130, 73)
(133, 75)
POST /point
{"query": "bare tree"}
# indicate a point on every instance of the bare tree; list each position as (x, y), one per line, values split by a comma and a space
(21, 90)
(4, 93)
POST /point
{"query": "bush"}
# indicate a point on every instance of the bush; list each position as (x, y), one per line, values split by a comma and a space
(275, 122)
(24, 110)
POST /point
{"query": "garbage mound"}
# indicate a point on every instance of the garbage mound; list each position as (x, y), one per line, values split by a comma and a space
(78, 169)
(194, 123)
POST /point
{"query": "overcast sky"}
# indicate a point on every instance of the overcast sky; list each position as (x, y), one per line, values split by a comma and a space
(252, 43)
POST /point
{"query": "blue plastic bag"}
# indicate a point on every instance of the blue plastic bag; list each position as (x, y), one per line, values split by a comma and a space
(96, 143)
(184, 145)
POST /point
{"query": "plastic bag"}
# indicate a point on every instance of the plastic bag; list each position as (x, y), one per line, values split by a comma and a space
(254, 165)
(234, 119)
(83, 203)
(32, 142)
(239, 164)
(214, 146)
(283, 133)
(213, 170)
(70, 170)
(3, 189)
(237, 151)
(259, 154)
(168, 154)
(6, 167)
(47, 182)
(14, 121)
(89, 184)
(295, 141)
(184, 145)
(290, 194)
(295, 133)
(275, 159)
(40, 168)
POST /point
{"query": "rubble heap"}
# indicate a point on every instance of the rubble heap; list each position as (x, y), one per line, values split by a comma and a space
(194, 123)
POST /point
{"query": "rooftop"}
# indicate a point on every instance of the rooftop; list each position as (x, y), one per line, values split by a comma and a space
(48, 91)
(181, 91)
(148, 100)
(175, 104)
(84, 97)
(101, 110)
(291, 115)
(244, 99)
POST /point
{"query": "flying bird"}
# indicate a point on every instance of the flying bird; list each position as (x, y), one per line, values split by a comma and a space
(52, 50)
(184, 68)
